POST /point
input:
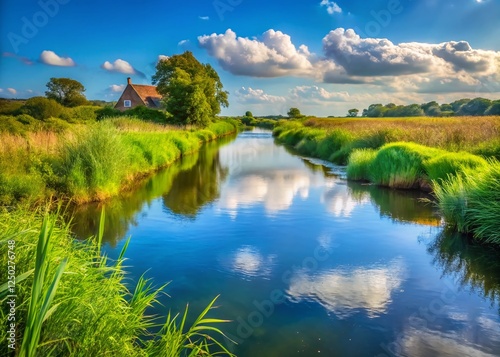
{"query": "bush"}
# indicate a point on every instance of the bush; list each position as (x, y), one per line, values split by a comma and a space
(148, 114)
(10, 107)
(107, 112)
(42, 108)
(10, 124)
(81, 114)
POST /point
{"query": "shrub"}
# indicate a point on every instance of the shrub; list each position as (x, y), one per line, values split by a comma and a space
(145, 113)
(42, 108)
(10, 107)
(107, 112)
(81, 114)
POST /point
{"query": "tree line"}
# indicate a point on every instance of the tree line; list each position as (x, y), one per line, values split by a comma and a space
(462, 107)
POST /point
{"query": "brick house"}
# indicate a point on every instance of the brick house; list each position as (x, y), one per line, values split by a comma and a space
(138, 94)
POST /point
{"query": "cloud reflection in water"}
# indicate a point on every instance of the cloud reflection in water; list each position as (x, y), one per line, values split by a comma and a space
(343, 291)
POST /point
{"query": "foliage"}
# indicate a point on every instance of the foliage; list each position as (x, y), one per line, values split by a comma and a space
(74, 301)
(193, 91)
(471, 202)
(42, 108)
(352, 112)
(248, 114)
(148, 114)
(10, 106)
(66, 91)
(400, 165)
(441, 167)
(81, 114)
(95, 161)
(107, 112)
(462, 107)
(358, 167)
(294, 113)
(494, 108)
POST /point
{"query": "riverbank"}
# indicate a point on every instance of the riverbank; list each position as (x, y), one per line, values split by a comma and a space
(421, 154)
(96, 161)
(68, 299)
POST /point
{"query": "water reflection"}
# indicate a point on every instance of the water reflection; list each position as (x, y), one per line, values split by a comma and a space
(344, 291)
(185, 187)
(399, 205)
(341, 202)
(197, 186)
(249, 262)
(470, 340)
(276, 190)
(471, 265)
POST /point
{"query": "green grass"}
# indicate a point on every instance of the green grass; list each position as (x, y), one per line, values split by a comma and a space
(440, 167)
(389, 152)
(95, 161)
(470, 202)
(358, 168)
(400, 165)
(73, 301)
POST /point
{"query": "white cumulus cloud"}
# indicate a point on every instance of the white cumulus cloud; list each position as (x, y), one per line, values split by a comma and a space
(273, 56)
(11, 90)
(119, 66)
(331, 7)
(52, 59)
(255, 96)
(117, 88)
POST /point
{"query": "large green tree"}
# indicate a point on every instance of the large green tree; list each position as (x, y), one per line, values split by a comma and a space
(192, 91)
(66, 91)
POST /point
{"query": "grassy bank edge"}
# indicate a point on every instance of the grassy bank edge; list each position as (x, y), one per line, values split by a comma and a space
(101, 160)
(73, 300)
(466, 186)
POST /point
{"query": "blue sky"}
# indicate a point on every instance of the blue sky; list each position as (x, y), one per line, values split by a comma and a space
(321, 56)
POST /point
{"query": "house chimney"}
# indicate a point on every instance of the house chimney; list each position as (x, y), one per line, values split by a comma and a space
(129, 81)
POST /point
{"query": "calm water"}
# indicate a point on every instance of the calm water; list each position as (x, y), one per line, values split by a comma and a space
(306, 263)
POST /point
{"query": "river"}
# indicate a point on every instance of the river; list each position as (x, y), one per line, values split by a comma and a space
(306, 263)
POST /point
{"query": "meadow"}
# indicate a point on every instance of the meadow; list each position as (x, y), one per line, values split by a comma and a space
(92, 162)
(455, 158)
(71, 300)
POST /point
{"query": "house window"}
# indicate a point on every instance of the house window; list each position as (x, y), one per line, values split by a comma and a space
(127, 103)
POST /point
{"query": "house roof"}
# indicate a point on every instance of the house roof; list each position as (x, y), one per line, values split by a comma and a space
(148, 94)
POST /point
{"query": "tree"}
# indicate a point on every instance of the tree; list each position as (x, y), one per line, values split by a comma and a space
(294, 113)
(352, 112)
(249, 114)
(66, 91)
(192, 91)
(476, 106)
